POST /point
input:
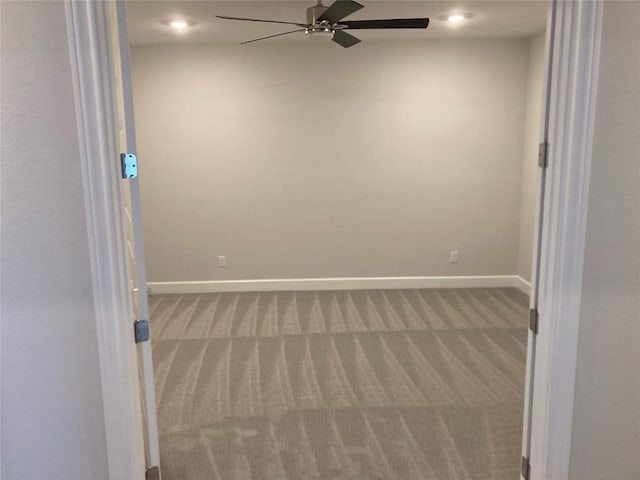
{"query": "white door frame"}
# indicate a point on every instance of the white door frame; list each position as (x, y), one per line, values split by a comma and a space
(92, 66)
(576, 49)
(572, 102)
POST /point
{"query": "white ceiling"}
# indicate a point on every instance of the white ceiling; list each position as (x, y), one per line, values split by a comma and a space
(490, 19)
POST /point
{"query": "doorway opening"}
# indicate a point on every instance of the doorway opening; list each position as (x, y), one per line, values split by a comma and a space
(344, 314)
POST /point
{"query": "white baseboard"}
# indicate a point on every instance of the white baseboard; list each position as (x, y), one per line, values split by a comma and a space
(522, 284)
(357, 283)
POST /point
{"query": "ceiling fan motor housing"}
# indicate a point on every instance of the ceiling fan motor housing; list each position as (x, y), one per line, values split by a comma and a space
(316, 28)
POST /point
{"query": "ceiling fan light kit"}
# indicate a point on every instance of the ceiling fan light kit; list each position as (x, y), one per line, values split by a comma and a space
(329, 22)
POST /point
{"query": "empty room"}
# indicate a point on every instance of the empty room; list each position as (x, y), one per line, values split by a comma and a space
(338, 226)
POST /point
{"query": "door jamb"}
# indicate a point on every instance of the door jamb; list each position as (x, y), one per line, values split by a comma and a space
(573, 93)
(536, 254)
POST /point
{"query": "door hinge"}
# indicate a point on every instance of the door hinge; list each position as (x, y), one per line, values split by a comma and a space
(543, 151)
(141, 330)
(526, 468)
(533, 320)
(129, 164)
(152, 473)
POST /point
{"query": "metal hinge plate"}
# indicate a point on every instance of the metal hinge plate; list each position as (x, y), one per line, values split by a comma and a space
(141, 330)
(533, 320)
(129, 164)
(543, 151)
(526, 468)
(152, 473)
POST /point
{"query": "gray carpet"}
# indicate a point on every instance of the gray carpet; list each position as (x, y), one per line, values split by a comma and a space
(380, 384)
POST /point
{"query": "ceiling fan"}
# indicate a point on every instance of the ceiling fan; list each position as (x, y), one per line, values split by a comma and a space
(329, 22)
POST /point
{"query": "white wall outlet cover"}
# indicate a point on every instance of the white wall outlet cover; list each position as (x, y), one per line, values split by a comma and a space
(222, 261)
(453, 256)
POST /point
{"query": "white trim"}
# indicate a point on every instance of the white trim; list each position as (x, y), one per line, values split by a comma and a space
(572, 113)
(352, 283)
(91, 64)
(521, 284)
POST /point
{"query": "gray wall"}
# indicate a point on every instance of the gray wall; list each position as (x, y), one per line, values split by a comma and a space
(52, 415)
(606, 433)
(530, 169)
(306, 160)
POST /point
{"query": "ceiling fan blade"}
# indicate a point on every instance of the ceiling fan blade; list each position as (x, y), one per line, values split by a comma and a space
(387, 23)
(271, 36)
(344, 39)
(257, 20)
(340, 9)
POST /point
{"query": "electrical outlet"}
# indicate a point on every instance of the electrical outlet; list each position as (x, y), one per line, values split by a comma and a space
(222, 261)
(453, 256)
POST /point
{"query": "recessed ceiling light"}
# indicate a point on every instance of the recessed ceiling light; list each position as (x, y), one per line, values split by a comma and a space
(178, 23)
(455, 18)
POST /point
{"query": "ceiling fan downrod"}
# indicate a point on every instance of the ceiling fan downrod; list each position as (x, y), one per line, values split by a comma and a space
(316, 27)
(313, 13)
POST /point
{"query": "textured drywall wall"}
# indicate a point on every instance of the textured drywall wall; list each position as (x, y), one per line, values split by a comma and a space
(52, 415)
(606, 421)
(530, 169)
(307, 160)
